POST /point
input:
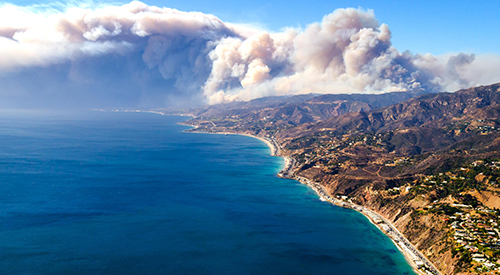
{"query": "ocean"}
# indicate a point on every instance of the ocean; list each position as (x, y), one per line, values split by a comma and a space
(131, 193)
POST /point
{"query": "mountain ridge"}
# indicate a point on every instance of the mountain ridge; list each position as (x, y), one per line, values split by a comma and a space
(383, 158)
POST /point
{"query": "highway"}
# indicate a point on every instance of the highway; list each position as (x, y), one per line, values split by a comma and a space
(379, 221)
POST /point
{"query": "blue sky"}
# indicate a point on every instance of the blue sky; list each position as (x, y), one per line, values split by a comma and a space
(423, 26)
(114, 56)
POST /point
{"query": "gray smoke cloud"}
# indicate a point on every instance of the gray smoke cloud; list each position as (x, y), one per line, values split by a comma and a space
(140, 55)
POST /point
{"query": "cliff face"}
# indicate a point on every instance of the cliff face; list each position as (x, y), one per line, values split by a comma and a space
(410, 161)
(428, 233)
(372, 156)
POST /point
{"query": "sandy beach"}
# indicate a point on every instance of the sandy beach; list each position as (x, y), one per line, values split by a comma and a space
(415, 258)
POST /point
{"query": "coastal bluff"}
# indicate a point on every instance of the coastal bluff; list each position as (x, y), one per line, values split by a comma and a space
(429, 165)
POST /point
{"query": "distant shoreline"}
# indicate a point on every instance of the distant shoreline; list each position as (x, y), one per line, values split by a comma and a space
(403, 245)
(411, 254)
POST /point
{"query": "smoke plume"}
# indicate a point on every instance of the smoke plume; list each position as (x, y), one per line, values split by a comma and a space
(140, 55)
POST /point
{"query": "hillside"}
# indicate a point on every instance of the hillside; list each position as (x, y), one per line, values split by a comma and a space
(411, 159)
(430, 110)
(289, 111)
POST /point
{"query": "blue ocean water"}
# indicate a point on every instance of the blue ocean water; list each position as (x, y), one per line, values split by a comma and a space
(130, 193)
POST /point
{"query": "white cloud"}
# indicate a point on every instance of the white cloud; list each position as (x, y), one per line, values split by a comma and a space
(349, 51)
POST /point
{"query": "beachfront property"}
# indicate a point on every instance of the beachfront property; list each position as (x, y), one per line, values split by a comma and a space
(419, 261)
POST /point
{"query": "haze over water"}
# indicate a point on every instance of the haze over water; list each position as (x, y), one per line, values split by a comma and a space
(130, 193)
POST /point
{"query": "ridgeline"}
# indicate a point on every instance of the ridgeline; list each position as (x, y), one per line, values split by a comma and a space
(428, 164)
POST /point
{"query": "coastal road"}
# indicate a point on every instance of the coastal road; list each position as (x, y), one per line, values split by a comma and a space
(392, 232)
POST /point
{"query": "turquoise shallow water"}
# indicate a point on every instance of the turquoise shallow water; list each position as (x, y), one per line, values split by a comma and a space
(130, 193)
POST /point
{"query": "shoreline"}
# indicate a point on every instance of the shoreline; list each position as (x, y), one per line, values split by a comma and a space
(412, 255)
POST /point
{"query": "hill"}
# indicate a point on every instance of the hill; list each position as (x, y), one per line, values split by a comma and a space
(410, 159)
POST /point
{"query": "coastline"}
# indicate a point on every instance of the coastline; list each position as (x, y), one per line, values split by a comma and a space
(420, 264)
(414, 257)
